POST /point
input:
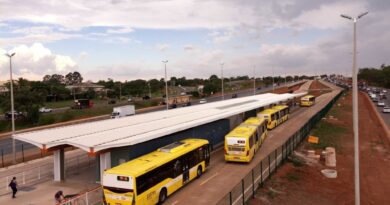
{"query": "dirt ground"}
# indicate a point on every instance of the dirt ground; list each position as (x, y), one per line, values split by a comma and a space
(315, 86)
(299, 183)
(282, 90)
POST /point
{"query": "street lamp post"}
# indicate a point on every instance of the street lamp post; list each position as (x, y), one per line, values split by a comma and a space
(12, 107)
(254, 80)
(166, 83)
(355, 108)
(150, 92)
(273, 82)
(223, 95)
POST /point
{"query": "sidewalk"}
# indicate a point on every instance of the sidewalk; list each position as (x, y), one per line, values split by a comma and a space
(43, 193)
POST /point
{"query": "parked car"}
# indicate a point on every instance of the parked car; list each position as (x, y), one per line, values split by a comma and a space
(234, 95)
(384, 91)
(386, 110)
(44, 109)
(374, 99)
(381, 104)
(202, 101)
(17, 115)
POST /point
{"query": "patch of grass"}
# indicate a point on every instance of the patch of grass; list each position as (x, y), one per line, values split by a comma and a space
(292, 177)
(271, 193)
(329, 135)
(297, 162)
(46, 120)
(59, 104)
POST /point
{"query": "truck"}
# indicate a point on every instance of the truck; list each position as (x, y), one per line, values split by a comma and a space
(181, 100)
(123, 111)
(82, 103)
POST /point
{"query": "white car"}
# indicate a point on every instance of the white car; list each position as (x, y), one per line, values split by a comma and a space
(202, 101)
(381, 104)
(386, 110)
(44, 109)
(384, 91)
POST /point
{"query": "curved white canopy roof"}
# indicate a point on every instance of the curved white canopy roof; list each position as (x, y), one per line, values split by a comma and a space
(105, 134)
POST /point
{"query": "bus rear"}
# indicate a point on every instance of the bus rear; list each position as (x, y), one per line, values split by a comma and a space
(118, 189)
(307, 101)
(237, 149)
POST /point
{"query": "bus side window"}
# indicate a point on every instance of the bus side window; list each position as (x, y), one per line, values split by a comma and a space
(256, 136)
(201, 153)
(251, 141)
(177, 168)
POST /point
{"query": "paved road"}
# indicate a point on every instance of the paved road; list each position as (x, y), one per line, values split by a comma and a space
(385, 116)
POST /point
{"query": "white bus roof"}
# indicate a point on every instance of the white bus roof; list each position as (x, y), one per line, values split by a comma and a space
(96, 136)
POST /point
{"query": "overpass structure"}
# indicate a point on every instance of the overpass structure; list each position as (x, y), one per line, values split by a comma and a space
(115, 141)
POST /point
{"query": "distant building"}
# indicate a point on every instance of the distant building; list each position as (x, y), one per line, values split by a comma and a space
(188, 89)
(83, 87)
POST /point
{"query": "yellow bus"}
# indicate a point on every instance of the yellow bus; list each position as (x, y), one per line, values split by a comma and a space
(275, 115)
(260, 124)
(241, 143)
(308, 100)
(283, 113)
(151, 178)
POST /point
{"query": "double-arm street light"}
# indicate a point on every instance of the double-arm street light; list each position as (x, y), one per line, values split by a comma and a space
(12, 106)
(355, 108)
(166, 83)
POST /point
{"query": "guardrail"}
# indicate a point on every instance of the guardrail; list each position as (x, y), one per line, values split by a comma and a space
(244, 190)
(91, 197)
(45, 172)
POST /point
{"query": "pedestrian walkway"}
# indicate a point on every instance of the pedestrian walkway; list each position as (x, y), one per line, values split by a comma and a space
(43, 193)
(305, 87)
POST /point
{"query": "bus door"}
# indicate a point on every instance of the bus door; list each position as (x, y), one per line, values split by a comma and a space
(207, 154)
(257, 138)
(186, 170)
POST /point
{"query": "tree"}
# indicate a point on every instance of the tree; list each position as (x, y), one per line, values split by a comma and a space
(54, 79)
(73, 78)
(26, 100)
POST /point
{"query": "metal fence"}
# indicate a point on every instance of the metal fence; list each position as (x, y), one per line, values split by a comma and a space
(44, 172)
(91, 197)
(244, 190)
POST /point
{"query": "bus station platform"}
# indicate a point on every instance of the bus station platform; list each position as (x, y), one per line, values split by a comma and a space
(222, 178)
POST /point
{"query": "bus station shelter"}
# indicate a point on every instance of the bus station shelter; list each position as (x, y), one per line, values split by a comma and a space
(101, 138)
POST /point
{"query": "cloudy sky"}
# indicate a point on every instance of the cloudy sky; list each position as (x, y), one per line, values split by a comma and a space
(127, 39)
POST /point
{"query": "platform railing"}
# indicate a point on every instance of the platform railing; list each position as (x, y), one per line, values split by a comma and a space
(44, 172)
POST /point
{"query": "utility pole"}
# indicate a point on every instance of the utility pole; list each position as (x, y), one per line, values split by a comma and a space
(254, 80)
(273, 82)
(355, 109)
(120, 91)
(223, 95)
(150, 92)
(166, 84)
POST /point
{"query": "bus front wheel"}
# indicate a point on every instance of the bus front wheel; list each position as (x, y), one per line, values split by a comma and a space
(199, 172)
(163, 196)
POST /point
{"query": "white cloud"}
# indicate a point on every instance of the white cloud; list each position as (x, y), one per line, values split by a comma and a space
(35, 61)
(162, 47)
(120, 30)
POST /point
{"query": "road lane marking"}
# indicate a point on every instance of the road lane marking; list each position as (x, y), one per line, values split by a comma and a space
(175, 202)
(205, 181)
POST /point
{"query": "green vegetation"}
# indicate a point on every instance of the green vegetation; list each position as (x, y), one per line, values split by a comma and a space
(377, 77)
(329, 135)
(292, 177)
(297, 162)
